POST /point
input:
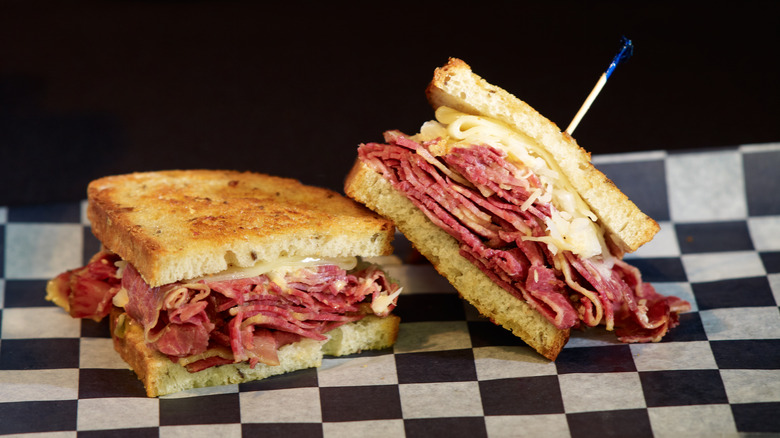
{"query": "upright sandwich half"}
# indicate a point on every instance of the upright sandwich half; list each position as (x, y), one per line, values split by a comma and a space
(221, 277)
(512, 212)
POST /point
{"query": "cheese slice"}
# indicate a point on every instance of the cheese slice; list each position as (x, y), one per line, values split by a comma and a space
(278, 267)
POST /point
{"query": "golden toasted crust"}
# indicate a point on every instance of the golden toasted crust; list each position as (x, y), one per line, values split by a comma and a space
(181, 224)
(160, 376)
(443, 251)
(456, 86)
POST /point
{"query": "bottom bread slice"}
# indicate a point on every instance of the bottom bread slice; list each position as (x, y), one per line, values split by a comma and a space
(160, 376)
(443, 251)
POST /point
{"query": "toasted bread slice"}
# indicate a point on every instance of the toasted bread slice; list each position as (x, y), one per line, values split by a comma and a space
(161, 376)
(180, 224)
(456, 86)
(442, 250)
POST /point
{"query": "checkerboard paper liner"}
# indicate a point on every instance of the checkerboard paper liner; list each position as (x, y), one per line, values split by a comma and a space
(451, 371)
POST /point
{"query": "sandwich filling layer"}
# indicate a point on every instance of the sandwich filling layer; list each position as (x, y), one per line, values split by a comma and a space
(232, 318)
(516, 217)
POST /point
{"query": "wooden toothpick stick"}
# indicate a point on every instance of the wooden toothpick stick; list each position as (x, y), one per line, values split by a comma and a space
(626, 50)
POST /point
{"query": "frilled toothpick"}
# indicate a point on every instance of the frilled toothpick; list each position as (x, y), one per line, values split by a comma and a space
(626, 50)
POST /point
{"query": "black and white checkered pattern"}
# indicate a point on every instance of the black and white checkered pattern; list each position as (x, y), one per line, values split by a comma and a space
(451, 373)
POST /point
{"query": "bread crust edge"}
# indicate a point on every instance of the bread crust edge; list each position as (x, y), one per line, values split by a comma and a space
(502, 308)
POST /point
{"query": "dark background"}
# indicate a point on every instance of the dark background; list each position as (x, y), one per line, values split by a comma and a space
(91, 88)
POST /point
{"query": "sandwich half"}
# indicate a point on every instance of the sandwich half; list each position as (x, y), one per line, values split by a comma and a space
(512, 212)
(220, 277)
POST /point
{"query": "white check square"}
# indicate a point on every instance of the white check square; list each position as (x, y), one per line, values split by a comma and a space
(530, 426)
(50, 322)
(437, 400)
(601, 392)
(509, 362)
(751, 386)
(296, 405)
(118, 413)
(42, 251)
(201, 430)
(34, 385)
(99, 353)
(706, 187)
(741, 323)
(765, 232)
(702, 268)
(83, 212)
(357, 371)
(673, 356)
(774, 284)
(374, 429)
(692, 421)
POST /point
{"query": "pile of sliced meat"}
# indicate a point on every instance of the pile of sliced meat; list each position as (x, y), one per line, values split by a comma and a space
(489, 206)
(228, 321)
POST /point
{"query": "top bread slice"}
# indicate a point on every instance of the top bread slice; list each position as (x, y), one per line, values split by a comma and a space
(456, 86)
(181, 224)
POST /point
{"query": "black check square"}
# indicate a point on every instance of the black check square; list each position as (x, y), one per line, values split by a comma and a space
(360, 403)
(141, 432)
(306, 378)
(91, 245)
(93, 329)
(213, 409)
(644, 183)
(760, 170)
(540, 395)
(430, 307)
(658, 270)
(465, 427)
(66, 212)
(436, 366)
(757, 417)
(487, 334)
(39, 354)
(758, 354)
(100, 383)
(282, 430)
(771, 261)
(698, 238)
(2, 253)
(607, 359)
(690, 329)
(634, 423)
(737, 292)
(26, 293)
(683, 387)
(38, 416)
